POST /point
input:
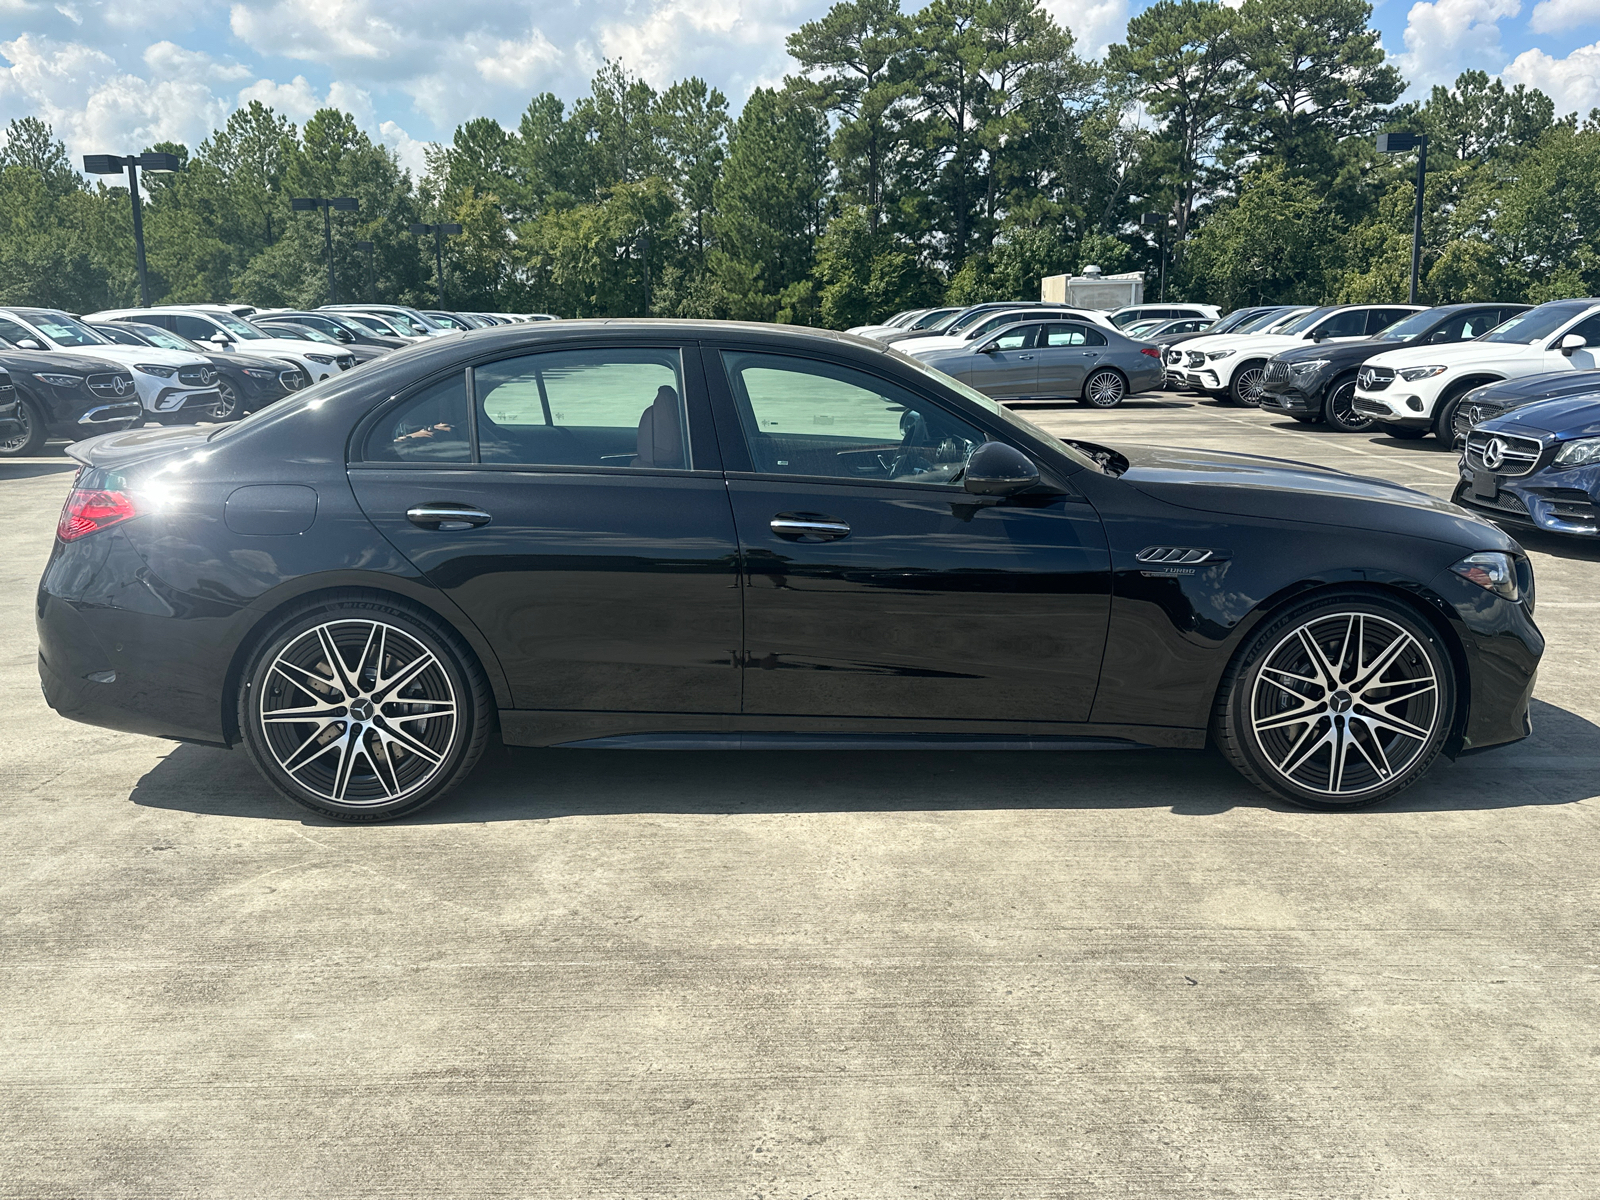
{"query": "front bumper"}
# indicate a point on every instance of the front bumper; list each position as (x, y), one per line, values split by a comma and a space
(107, 418)
(1502, 647)
(175, 400)
(1290, 399)
(10, 418)
(1565, 501)
(1398, 405)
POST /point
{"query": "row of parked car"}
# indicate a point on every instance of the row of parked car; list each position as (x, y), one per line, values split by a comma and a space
(68, 376)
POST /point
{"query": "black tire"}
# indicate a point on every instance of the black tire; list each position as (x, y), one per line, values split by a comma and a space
(1444, 416)
(230, 407)
(411, 741)
(1338, 408)
(1246, 384)
(1105, 388)
(30, 439)
(1406, 433)
(1275, 701)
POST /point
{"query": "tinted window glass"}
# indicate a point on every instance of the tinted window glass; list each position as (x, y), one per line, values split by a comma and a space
(1352, 323)
(12, 332)
(196, 329)
(431, 427)
(1073, 335)
(804, 417)
(1538, 323)
(1588, 330)
(618, 407)
(1019, 338)
(123, 337)
(1382, 318)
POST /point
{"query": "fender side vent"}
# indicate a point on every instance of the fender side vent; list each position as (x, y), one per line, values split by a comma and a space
(1173, 556)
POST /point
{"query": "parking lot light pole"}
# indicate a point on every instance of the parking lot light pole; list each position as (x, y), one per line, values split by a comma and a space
(115, 164)
(1399, 143)
(1159, 220)
(439, 232)
(326, 204)
(368, 249)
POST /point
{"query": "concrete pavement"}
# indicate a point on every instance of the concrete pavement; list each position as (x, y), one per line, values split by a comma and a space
(783, 975)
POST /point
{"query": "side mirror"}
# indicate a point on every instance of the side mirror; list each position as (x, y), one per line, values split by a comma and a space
(996, 469)
(220, 339)
(28, 344)
(1573, 341)
(344, 335)
(991, 348)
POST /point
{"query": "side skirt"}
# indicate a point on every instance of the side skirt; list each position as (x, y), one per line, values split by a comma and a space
(714, 731)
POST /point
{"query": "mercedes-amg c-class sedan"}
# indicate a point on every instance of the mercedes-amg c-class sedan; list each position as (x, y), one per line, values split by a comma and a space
(662, 534)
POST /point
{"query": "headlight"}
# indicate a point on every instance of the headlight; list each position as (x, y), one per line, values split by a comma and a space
(1410, 373)
(159, 372)
(1216, 354)
(325, 359)
(1308, 368)
(1579, 453)
(60, 381)
(259, 373)
(1494, 570)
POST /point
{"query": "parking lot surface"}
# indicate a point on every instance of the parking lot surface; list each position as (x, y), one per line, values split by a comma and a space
(788, 975)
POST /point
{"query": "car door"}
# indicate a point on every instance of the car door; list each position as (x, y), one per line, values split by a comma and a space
(874, 586)
(1065, 354)
(574, 514)
(1009, 369)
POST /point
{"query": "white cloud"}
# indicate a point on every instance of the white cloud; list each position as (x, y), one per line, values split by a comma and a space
(1572, 82)
(167, 60)
(519, 63)
(411, 153)
(1448, 37)
(1558, 16)
(1095, 25)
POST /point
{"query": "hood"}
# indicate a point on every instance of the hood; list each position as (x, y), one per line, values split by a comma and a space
(1249, 485)
(1529, 389)
(29, 361)
(281, 346)
(939, 345)
(258, 362)
(1454, 352)
(142, 354)
(1341, 351)
(1567, 417)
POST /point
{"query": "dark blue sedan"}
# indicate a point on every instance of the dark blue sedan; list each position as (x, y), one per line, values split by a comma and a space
(1537, 467)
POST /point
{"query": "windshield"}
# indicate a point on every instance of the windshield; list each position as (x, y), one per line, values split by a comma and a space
(933, 317)
(1536, 324)
(964, 321)
(367, 324)
(1239, 320)
(1409, 327)
(242, 330)
(312, 334)
(1303, 323)
(66, 331)
(123, 337)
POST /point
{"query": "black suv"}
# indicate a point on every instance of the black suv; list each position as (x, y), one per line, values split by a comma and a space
(1495, 399)
(65, 395)
(1318, 382)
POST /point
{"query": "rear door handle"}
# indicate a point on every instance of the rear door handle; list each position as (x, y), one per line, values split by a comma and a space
(809, 527)
(447, 517)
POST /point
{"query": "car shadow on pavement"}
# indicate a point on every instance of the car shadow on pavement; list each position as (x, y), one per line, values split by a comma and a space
(32, 470)
(1558, 766)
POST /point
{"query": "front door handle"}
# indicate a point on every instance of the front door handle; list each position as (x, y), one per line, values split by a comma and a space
(447, 517)
(1024, 358)
(809, 527)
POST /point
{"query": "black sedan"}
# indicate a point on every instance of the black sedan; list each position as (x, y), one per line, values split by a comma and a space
(693, 534)
(246, 382)
(1496, 399)
(66, 396)
(1318, 382)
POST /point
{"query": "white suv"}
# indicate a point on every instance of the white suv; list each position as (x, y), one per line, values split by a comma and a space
(215, 325)
(174, 386)
(1233, 364)
(1415, 391)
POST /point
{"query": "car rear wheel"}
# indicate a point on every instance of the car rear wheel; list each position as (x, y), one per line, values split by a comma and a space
(28, 440)
(1105, 389)
(363, 710)
(1339, 408)
(1341, 702)
(1247, 384)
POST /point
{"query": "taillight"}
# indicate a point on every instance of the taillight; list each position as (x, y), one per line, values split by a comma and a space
(90, 509)
(1152, 351)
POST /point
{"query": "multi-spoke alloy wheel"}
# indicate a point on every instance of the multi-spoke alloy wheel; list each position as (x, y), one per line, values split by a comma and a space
(1338, 704)
(1104, 389)
(1248, 383)
(363, 712)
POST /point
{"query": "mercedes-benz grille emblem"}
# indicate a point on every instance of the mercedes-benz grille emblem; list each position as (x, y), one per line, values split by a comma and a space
(1494, 454)
(120, 384)
(1364, 377)
(208, 376)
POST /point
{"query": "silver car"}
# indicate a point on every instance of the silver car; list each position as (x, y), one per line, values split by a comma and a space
(1054, 360)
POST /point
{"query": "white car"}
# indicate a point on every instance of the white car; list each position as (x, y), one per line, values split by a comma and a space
(175, 387)
(214, 325)
(1415, 391)
(999, 319)
(900, 319)
(1123, 317)
(408, 323)
(1232, 364)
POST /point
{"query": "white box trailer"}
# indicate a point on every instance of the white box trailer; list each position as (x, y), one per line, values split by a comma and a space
(1094, 290)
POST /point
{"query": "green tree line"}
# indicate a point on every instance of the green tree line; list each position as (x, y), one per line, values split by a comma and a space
(956, 153)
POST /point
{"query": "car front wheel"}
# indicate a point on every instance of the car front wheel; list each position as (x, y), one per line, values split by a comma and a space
(229, 407)
(1341, 702)
(28, 440)
(1247, 384)
(363, 710)
(1339, 409)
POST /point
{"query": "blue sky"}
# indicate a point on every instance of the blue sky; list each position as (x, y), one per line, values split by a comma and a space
(111, 75)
